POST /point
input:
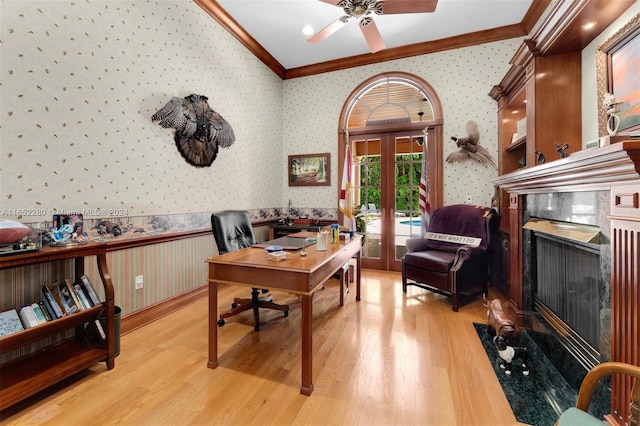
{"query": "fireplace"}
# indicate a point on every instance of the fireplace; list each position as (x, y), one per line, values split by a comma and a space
(566, 281)
(567, 294)
(597, 187)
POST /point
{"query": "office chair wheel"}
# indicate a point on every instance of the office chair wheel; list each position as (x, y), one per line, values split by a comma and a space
(220, 322)
(234, 305)
(286, 313)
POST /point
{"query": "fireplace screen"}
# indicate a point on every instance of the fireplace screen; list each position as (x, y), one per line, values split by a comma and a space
(568, 293)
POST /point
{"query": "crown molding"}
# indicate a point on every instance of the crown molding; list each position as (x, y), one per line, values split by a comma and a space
(215, 10)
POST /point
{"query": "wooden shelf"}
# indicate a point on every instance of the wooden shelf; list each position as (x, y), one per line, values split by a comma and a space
(30, 373)
(48, 254)
(33, 334)
(519, 143)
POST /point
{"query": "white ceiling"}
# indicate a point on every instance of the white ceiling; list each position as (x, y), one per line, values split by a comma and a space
(277, 26)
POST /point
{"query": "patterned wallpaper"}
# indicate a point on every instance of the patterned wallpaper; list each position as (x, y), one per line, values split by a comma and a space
(80, 82)
(81, 79)
(462, 79)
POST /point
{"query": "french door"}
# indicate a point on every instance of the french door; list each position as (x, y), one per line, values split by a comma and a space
(387, 168)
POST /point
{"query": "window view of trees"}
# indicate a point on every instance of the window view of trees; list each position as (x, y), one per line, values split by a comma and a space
(370, 170)
(408, 171)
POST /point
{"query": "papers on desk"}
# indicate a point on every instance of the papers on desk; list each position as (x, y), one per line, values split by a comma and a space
(277, 256)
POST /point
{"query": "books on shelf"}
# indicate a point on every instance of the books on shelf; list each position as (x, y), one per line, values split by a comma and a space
(28, 317)
(56, 292)
(38, 313)
(54, 308)
(45, 310)
(84, 301)
(58, 300)
(69, 297)
(89, 290)
(10, 323)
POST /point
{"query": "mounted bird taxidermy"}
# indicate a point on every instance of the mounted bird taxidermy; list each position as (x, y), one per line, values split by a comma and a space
(200, 131)
(470, 147)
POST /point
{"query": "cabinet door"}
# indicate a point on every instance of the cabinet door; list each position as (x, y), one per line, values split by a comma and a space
(500, 277)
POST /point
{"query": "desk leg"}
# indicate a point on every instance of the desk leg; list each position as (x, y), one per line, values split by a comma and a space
(358, 274)
(213, 325)
(306, 303)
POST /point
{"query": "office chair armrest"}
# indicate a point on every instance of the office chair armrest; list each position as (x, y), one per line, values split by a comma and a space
(416, 244)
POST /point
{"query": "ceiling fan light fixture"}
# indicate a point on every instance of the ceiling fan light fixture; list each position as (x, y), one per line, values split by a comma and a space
(361, 9)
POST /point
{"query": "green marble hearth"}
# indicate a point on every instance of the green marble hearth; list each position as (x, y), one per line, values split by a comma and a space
(536, 399)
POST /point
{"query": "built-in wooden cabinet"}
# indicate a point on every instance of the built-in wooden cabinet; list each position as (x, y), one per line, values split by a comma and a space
(32, 372)
(500, 265)
(539, 110)
(544, 86)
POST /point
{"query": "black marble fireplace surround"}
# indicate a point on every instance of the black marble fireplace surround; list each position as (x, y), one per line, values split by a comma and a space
(586, 208)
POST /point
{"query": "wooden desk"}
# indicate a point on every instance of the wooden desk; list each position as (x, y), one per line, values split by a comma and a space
(300, 275)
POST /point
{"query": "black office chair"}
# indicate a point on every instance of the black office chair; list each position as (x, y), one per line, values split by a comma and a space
(233, 231)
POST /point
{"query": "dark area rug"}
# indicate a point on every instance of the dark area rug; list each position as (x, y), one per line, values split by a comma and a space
(536, 399)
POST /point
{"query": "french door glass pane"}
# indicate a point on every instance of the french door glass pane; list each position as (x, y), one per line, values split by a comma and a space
(408, 168)
(368, 192)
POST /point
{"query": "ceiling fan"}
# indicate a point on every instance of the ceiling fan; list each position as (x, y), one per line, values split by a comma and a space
(361, 9)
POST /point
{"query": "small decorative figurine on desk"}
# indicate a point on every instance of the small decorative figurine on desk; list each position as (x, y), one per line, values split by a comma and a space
(562, 149)
(540, 157)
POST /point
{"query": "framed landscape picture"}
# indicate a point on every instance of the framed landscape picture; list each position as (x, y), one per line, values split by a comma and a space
(310, 170)
(618, 73)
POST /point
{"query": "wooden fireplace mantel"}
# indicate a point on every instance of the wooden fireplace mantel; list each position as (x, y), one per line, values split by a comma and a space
(589, 169)
(615, 168)
(604, 168)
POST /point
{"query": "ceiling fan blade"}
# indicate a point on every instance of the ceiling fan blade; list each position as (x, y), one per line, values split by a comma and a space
(371, 34)
(332, 2)
(390, 7)
(329, 29)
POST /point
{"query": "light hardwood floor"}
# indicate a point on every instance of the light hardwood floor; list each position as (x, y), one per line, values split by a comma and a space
(391, 359)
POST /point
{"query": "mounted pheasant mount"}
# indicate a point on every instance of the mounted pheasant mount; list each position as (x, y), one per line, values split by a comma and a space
(470, 148)
(200, 131)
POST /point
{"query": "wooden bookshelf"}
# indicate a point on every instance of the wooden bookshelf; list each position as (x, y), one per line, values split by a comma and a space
(35, 371)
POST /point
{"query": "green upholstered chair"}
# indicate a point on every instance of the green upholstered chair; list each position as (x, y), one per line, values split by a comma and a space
(579, 415)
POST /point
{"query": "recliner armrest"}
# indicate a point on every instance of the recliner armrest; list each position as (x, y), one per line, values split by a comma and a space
(416, 244)
(463, 253)
(468, 251)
